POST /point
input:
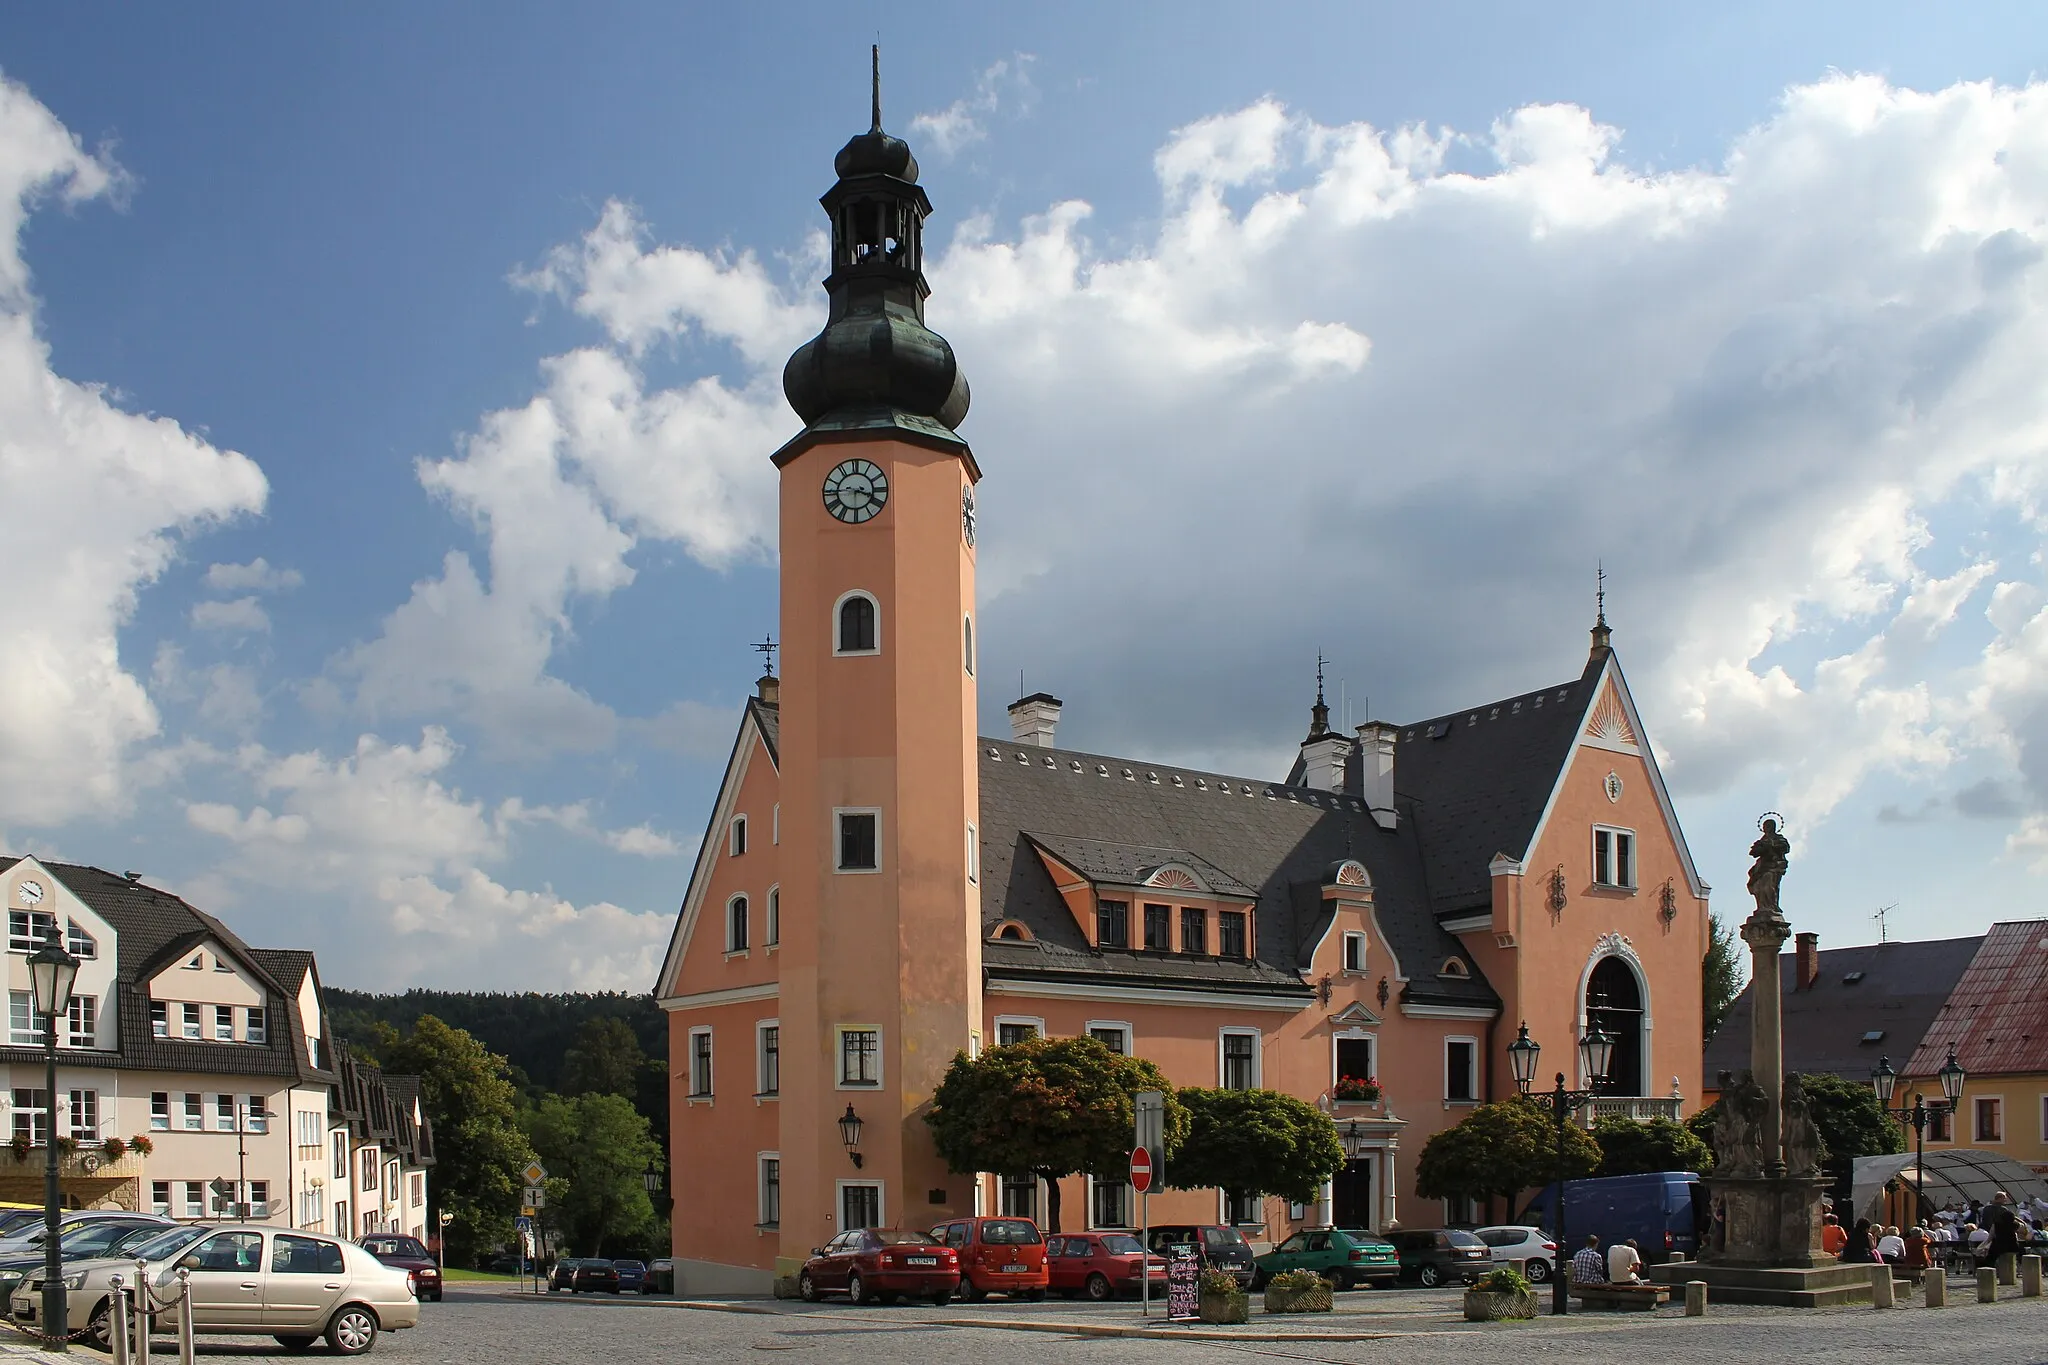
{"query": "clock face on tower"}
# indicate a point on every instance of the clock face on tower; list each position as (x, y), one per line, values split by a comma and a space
(967, 513)
(856, 490)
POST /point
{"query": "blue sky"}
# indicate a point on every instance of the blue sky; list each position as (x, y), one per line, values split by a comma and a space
(1614, 291)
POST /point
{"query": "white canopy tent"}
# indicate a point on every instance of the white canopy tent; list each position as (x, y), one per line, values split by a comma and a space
(1954, 1176)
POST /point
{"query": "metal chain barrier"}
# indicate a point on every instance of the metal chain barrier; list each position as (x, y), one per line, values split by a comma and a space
(134, 1309)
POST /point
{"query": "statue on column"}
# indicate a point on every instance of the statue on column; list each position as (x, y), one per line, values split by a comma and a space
(1801, 1137)
(1773, 854)
(1739, 1129)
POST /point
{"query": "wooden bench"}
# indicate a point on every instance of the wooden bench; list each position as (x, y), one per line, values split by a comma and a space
(1641, 1298)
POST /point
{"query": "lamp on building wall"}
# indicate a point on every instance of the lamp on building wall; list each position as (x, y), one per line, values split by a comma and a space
(849, 1134)
(51, 971)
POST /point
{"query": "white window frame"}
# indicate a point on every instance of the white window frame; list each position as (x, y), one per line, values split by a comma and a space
(761, 1090)
(1112, 1025)
(1223, 1211)
(839, 1081)
(1976, 1130)
(195, 1198)
(736, 837)
(223, 1023)
(838, 858)
(839, 1188)
(973, 855)
(692, 1094)
(843, 599)
(1356, 936)
(761, 1160)
(1473, 1043)
(771, 925)
(79, 942)
(996, 1027)
(191, 1116)
(775, 823)
(966, 642)
(33, 1035)
(191, 1022)
(160, 1197)
(1126, 1204)
(738, 900)
(1600, 873)
(160, 1115)
(252, 1030)
(1355, 1035)
(1241, 1031)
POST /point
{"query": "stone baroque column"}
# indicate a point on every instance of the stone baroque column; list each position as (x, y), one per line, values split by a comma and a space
(1766, 932)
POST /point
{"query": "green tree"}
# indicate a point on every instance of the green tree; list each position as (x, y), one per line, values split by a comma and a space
(1499, 1150)
(599, 1147)
(1253, 1142)
(1851, 1121)
(478, 1145)
(1631, 1148)
(606, 1059)
(1720, 974)
(1049, 1107)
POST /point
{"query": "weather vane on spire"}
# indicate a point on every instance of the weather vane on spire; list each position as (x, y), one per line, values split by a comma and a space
(875, 61)
(1320, 661)
(766, 649)
(1600, 590)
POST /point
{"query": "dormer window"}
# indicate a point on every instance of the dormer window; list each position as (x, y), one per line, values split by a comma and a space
(190, 1022)
(159, 1019)
(1231, 940)
(224, 1023)
(259, 1027)
(1112, 924)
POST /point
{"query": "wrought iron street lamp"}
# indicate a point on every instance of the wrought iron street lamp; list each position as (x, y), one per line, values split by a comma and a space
(51, 971)
(1953, 1078)
(1885, 1083)
(1596, 1052)
(849, 1134)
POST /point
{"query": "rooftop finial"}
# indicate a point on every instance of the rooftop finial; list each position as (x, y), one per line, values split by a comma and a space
(766, 649)
(1319, 714)
(875, 61)
(1600, 590)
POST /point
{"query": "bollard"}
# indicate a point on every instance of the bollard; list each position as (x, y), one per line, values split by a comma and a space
(1937, 1287)
(2008, 1268)
(117, 1320)
(1987, 1285)
(1880, 1286)
(187, 1353)
(145, 1298)
(2030, 1277)
(1695, 1298)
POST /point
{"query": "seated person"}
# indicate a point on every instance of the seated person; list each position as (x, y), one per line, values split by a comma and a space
(1623, 1261)
(1833, 1236)
(1589, 1266)
(1918, 1251)
(1891, 1248)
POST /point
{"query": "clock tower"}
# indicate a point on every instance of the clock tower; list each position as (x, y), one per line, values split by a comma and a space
(880, 971)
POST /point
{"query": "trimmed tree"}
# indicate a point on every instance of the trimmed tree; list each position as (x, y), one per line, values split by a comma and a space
(1049, 1107)
(1631, 1148)
(1499, 1150)
(1254, 1142)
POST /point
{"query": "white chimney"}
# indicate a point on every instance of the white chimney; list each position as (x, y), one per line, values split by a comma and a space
(1034, 719)
(1376, 764)
(1322, 761)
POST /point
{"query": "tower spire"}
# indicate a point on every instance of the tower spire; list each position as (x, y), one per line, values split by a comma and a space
(1319, 714)
(875, 63)
(1601, 634)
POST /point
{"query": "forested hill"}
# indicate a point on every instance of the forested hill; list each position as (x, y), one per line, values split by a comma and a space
(534, 1032)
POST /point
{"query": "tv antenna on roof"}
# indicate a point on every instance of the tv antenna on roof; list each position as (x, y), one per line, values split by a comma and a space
(1882, 911)
(766, 649)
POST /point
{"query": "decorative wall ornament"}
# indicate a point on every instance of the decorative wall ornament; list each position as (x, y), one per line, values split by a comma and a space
(1612, 786)
(1615, 945)
(1557, 889)
(1383, 992)
(1609, 724)
(1667, 902)
(1352, 873)
(1174, 878)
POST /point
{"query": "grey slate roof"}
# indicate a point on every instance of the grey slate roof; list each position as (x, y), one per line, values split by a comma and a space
(1901, 991)
(1274, 840)
(1131, 864)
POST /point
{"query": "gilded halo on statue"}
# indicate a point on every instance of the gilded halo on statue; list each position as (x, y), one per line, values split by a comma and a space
(1770, 815)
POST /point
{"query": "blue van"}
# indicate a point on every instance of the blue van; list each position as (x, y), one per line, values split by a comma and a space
(1662, 1210)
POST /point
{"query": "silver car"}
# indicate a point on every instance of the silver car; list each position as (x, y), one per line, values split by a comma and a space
(88, 1283)
(254, 1280)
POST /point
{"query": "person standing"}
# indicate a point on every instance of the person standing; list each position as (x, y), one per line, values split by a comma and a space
(1589, 1266)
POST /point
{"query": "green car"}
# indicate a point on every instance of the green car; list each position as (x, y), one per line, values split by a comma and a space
(1346, 1257)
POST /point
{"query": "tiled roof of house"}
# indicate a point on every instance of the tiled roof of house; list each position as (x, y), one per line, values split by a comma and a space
(1894, 990)
(1997, 1017)
(1130, 864)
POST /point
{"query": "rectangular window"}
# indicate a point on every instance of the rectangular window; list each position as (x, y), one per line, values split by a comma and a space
(860, 1205)
(1112, 924)
(1015, 1031)
(160, 1110)
(82, 1021)
(770, 1078)
(1109, 1204)
(1019, 1196)
(391, 1182)
(1115, 1037)
(191, 1021)
(307, 1122)
(1243, 1209)
(195, 1199)
(341, 1218)
(27, 929)
(736, 925)
(1159, 928)
(1354, 952)
(339, 1165)
(1461, 1069)
(1990, 1119)
(367, 1165)
(160, 1197)
(159, 1019)
(85, 1114)
(700, 1063)
(224, 1113)
(1240, 1070)
(860, 1061)
(858, 842)
(1614, 857)
(259, 1199)
(771, 1192)
(773, 929)
(257, 1115)
(973, 855)
(739, 835)
(195, 1111)
(224, 1023)
(417, 1188)
(1230, 934)
(1354, 1060)
(78, 942)
(1194, 930)
(32, 1115)
(257, 1026)
(24, 1025)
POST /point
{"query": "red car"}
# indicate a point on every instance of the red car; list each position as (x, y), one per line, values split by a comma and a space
(1101, 1265)
(867, 1264)
(997, 1256)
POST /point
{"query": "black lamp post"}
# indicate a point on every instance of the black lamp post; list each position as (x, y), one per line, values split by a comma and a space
(1596, 1051)
(1885, 1081)
(51, 971)
(849, 1134)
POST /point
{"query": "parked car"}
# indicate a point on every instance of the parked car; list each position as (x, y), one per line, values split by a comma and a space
(997, 1256)
(661, 1276)
(867, 1264)
(89, 1286)
(632, 1276)
(1101, 1265)
(407, 1253)
(27, 1237)
(1529, 1245)
(1662, 1210)
(1434, 1256)
(250, 1280)
(594, 1277)
(505, 1264)
(562, 1273)
(82, 1242)
(1344, 1257)
(1217, 1247)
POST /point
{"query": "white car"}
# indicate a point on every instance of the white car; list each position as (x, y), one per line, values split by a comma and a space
(1533, 1245)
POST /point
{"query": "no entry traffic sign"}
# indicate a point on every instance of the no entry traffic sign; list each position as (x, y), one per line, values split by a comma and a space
(1141, 1169)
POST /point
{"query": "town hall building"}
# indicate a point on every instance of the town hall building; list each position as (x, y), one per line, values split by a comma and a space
(881, 888)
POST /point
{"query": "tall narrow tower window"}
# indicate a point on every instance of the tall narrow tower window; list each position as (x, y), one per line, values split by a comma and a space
(859, 625)
(858, 840)
(967, 643)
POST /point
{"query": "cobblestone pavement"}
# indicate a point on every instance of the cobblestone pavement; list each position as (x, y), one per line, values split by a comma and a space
(476, 1326)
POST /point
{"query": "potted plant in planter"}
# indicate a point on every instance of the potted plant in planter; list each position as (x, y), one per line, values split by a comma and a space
(1503, 1294)
(141, 1145)
(21, 1146)
(1358, 1090)
(114, 1149)
(67, 1146)
(1298, 1291)
(1222, 1300)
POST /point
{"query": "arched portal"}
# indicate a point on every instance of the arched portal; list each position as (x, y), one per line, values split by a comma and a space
(1614, 1005)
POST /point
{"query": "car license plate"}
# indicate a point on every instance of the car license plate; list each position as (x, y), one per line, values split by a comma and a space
(922, 1260)
(1015, 1269)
